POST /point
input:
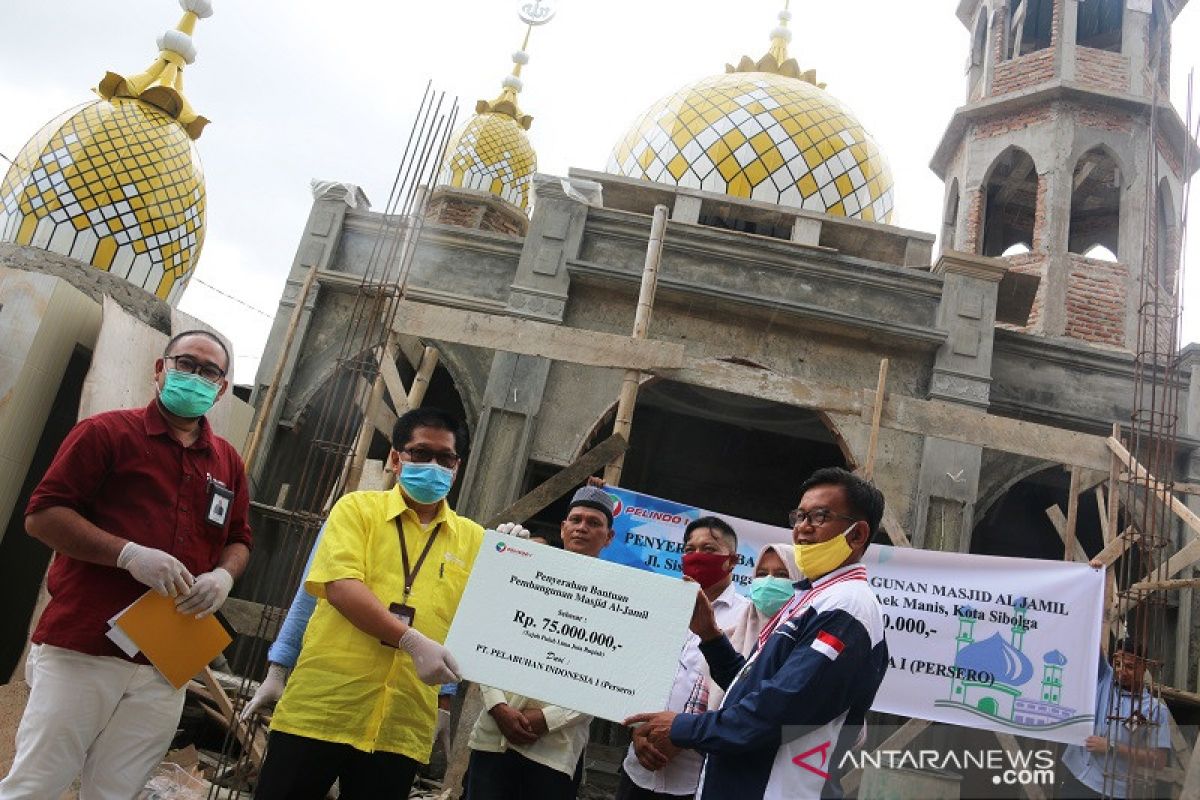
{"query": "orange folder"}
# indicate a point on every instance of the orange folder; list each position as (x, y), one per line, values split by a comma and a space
(179, 645)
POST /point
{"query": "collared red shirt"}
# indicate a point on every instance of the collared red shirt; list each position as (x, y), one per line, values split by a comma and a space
(1154, 732)
(691, 693)
(124, 472)
(349, 687)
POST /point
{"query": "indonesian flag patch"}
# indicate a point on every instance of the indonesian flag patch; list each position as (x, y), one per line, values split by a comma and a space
(828, 645)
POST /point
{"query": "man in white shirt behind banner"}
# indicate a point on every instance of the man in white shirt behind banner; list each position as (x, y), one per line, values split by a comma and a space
(524, 748)
(709, 556)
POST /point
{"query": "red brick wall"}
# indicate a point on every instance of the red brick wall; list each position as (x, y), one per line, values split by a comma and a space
(1039, 213)
(1100, 69)
(480, 216)
(1104, 119)
(1096, 300)
(1023, 72)
(496, 222)
(974, 206)
(1002, 126)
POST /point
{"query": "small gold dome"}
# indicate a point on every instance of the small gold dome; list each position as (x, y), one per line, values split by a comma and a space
(491, 153)
(116, 184)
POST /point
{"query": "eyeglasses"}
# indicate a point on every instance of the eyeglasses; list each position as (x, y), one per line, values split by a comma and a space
(818, 517)
(423, 455)
(190, 364)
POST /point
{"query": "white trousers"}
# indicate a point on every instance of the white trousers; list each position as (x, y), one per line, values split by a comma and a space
(108, 718)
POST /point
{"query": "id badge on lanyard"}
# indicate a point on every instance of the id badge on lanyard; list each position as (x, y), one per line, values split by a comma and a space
(220, 498)
(402, 610)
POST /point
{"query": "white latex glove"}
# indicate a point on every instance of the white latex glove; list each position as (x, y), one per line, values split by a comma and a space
(513, 529)
(434, 663)
(161, 571)
(269, 691)
(442, 732)
(207, 594)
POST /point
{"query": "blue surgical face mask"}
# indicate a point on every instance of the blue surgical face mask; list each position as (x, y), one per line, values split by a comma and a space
(187, 395)
(425, 483)
(770, 593)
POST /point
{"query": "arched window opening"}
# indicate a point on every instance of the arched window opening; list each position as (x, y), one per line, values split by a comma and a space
(1010, 203)
(1099, 252)
(1095, 203)
(1099, 24)
(1016, 524)
(1029, 31)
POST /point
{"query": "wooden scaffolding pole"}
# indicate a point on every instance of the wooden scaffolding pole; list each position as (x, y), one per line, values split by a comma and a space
(641, 323)
(386, 380)
(868, 470)
(266, 407)
(1072, 516)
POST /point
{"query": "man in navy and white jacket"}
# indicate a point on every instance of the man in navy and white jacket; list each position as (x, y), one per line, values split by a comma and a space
(795, 705)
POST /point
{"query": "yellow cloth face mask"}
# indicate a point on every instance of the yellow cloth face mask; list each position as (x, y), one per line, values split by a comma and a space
(815, 560)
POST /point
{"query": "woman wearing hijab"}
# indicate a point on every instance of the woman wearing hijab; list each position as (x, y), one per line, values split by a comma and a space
(775, 571)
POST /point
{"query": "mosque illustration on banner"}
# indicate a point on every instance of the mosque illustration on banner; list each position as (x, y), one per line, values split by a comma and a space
(1004, 673)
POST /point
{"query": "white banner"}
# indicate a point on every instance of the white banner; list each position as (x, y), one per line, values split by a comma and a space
(1006, 644)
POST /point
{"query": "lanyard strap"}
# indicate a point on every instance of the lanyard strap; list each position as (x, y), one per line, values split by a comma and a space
(410, 574)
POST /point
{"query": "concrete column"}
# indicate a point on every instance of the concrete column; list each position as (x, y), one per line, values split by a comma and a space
(806, 230)
(1189, 600)
(1055, 171)
(1135, 31)
(686, 209)
(948, 483)
(1065, 51)
(331, 202)
(516, 383)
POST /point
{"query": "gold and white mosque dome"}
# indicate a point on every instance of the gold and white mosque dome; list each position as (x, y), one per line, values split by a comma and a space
(762, 131)
(491, 152)
(117, 183)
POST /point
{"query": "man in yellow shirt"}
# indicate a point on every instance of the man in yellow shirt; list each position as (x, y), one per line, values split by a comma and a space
(361, 704)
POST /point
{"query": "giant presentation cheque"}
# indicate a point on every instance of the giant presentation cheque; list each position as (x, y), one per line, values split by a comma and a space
(574, 631)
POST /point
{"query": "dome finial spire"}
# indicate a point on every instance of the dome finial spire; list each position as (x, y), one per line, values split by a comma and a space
(161, 85)
(780, 35)
(537, 12)
(777, 61)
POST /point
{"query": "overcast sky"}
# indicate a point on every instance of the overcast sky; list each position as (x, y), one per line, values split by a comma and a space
(303, 89)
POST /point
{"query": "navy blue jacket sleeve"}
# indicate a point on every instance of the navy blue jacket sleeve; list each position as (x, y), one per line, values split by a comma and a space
(808, 688)
(724, 661)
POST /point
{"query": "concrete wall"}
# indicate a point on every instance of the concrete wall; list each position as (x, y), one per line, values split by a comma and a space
(42, 320)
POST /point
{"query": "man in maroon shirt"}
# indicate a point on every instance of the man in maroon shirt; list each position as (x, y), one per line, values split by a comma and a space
(136, 498)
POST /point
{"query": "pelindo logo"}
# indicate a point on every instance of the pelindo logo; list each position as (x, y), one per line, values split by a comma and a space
(508, 549)
(617, 505)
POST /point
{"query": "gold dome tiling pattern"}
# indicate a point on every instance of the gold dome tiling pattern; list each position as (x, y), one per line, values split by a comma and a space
(493, 154)
(764, 137)
(115, 184)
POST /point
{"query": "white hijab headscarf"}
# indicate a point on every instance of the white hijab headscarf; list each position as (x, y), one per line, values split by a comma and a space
(745, 631)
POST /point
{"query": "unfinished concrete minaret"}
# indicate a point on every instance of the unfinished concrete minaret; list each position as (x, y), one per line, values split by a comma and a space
(1050, 163)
